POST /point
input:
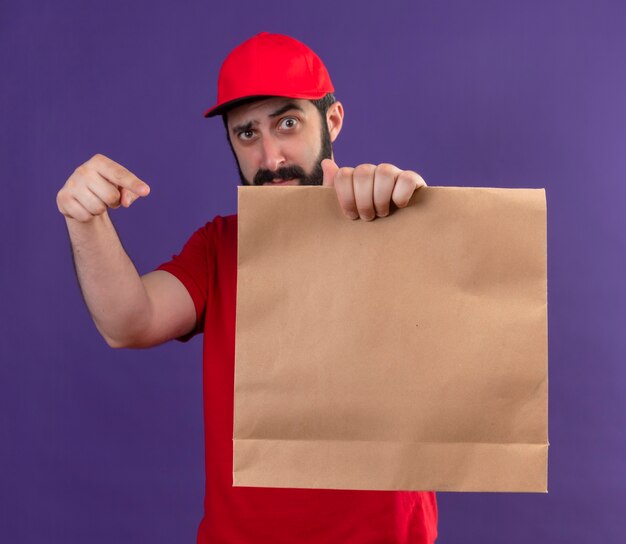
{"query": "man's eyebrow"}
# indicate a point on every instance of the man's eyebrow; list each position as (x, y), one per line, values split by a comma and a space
(244, 127)
(248, 126)
(286, 108)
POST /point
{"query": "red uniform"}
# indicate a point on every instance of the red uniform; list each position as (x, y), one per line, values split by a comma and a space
(207, 267)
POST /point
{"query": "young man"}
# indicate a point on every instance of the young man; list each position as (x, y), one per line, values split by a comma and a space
(275, 97)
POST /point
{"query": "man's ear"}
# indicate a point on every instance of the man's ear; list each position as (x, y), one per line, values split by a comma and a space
(334, 120)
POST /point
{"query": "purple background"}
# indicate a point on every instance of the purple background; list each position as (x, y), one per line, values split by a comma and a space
(106, 446)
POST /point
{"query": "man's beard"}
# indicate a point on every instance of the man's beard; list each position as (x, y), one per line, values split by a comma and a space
(316, 177)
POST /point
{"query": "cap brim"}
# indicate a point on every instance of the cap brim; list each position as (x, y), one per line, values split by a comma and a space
(220, 109)
(223, 108)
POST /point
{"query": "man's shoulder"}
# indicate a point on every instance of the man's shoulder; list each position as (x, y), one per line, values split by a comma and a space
(219, 223)
(224, 223)
(227, 219)
(221, 230)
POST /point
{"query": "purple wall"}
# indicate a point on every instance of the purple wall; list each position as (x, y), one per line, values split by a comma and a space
(104, 446)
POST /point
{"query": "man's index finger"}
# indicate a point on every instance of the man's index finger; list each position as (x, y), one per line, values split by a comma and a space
(122, 177)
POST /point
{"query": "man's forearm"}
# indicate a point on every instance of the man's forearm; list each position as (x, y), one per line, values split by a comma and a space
(112, 288)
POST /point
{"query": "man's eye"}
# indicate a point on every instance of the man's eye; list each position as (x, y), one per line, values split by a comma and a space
(288, 122)
(246, 135)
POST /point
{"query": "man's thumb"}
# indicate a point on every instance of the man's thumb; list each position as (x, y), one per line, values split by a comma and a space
(330, 169)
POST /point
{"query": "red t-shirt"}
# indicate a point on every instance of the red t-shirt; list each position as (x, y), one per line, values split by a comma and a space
(207, 267)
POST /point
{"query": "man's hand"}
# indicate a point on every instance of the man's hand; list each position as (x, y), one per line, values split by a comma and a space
(96, 185)
(367, 191)
(129, 310)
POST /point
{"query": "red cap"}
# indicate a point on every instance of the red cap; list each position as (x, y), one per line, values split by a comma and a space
(270, 65)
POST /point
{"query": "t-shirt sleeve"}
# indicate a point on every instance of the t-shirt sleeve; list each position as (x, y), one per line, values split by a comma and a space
(193, 266)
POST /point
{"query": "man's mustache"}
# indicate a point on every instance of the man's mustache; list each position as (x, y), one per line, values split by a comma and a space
(282, 174)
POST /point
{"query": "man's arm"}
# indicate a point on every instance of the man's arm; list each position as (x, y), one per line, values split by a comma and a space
(129, 310)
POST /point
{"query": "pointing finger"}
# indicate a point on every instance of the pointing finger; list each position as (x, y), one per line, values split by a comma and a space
(119, 175)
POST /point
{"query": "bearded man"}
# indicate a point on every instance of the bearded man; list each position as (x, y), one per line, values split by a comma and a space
(277, 104)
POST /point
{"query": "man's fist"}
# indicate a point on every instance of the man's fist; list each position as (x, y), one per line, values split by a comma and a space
(367, 191)
(99, 184)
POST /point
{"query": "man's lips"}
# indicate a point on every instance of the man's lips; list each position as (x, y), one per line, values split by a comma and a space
(282, 182)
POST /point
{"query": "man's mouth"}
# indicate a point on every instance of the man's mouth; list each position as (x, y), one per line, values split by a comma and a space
(292, 181)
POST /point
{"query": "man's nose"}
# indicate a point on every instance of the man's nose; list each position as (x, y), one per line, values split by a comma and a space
(272, 156)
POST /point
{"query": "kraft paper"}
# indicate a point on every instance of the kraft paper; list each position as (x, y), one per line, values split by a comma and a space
(406, 353)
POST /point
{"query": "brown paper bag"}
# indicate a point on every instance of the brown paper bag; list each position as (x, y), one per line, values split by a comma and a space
(406, 353)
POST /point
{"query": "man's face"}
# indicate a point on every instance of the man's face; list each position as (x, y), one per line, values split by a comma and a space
(279, 141)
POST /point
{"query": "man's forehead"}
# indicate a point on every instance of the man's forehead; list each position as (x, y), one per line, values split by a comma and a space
(258, 110)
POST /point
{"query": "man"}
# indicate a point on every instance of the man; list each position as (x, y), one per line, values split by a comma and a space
(275, 97)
